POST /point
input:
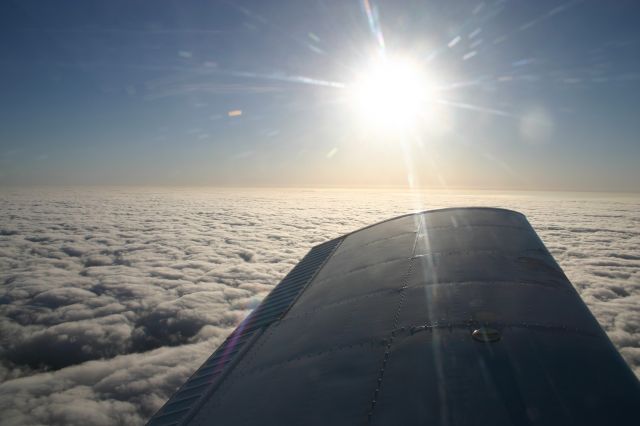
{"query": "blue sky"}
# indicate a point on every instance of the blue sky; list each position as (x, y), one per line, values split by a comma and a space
(530, 94)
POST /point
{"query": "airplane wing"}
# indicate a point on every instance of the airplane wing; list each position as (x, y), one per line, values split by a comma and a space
(446, 317)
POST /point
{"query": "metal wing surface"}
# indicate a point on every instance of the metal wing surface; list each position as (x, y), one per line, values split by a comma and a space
(447, 317)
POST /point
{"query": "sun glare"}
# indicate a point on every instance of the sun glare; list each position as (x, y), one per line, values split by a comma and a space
(392, 94)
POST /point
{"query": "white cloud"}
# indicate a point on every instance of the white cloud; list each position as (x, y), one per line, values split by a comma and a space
(111, 298)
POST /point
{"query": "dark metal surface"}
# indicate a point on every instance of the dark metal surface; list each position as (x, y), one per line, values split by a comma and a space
(447, 317)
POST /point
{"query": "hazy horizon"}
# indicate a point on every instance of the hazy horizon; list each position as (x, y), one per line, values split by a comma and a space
(399, 188)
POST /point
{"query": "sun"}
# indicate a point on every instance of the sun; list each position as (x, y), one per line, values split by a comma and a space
(391, 94)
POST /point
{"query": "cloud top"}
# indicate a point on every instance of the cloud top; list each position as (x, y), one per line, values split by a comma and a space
(111, 298)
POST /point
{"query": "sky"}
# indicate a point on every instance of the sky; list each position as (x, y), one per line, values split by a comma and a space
(512, 94)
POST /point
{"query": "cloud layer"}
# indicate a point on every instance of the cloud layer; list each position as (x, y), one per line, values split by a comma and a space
(109, 299)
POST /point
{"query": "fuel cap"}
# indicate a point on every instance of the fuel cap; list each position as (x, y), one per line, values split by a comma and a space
(486, 334)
